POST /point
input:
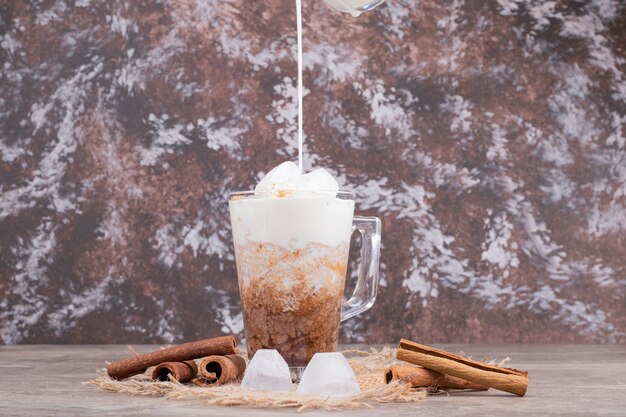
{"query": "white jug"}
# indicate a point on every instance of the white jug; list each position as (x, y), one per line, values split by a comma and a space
(354, 7)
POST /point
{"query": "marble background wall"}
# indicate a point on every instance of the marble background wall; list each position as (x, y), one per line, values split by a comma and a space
(489, 136)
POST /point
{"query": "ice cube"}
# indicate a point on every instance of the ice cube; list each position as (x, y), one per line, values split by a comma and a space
(329, 374)
(267, 371)
(320, 179)
(286, 176)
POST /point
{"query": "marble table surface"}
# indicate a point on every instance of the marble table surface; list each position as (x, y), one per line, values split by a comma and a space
(565, 380)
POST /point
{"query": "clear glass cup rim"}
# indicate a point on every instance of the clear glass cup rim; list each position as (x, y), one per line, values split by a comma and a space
(249, 193)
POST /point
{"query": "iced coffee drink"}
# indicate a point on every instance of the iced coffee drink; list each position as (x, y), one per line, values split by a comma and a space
(292, 238)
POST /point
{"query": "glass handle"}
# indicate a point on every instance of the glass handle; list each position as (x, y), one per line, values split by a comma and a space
(366, 287)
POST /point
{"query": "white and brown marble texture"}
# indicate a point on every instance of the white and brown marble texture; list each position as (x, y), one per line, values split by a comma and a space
(489, 136)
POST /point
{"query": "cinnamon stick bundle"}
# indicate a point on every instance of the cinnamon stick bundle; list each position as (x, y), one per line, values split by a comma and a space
(219, 370)
(420, 377)
(180, 371)
(224, 345)
(504, 379)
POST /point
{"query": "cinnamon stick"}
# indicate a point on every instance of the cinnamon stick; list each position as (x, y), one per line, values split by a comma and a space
(224, 345)
(179, 371)
(420, 377)
(504, 379)
(220, 370)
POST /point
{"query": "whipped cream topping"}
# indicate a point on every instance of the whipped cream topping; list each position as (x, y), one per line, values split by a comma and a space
(293, 210)
(287, 177)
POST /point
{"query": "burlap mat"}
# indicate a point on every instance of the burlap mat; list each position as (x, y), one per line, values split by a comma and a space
(368, 368)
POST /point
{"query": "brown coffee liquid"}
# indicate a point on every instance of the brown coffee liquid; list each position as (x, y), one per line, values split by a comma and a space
(291, 298)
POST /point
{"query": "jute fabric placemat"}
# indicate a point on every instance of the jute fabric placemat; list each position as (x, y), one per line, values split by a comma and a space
(368, 366)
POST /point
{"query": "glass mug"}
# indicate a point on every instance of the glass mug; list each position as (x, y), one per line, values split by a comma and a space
(291, 251)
